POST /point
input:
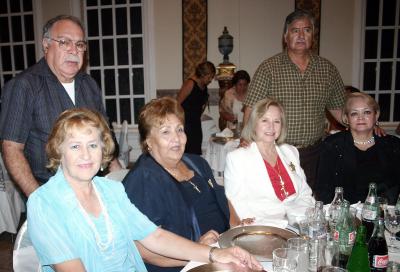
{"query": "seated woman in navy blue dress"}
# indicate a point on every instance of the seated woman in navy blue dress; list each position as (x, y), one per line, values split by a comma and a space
(175, 190)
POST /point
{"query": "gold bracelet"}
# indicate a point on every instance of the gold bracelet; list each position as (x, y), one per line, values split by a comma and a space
(210, 254)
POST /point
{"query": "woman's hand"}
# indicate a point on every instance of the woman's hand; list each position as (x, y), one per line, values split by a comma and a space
(209, 238)
(243, 143)
(235, 255)
(247, 221)
(379, 131)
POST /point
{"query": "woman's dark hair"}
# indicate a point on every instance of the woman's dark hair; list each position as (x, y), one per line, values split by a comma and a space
(204, 69)
(239, 75)
(154, 114)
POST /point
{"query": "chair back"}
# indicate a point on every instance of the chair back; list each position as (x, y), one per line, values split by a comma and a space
(124, 147)
(24, 255)
(117, 175)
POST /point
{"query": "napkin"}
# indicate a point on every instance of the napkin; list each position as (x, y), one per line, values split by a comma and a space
(225, 133)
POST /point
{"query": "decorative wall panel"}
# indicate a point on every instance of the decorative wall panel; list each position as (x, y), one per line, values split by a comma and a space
(194, 29)
(313, 6)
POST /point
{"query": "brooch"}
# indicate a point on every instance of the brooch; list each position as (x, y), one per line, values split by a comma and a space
(292, 167)
(210, 183)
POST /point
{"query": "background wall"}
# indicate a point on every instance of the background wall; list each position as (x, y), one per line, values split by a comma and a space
(256, 26)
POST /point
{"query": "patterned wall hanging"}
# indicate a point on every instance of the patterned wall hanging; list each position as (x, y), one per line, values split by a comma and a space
(313, 6)
(194, 30)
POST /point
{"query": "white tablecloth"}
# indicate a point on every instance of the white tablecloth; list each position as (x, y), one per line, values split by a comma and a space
(216, 154)
(11, 207)
(268, 265)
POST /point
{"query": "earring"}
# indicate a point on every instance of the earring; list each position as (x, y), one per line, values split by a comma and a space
(148, 148)
(377, 123)
(101, 168)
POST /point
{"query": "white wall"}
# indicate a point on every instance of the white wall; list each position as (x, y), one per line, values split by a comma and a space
(256, 26)
(337, 36)
(168, 43)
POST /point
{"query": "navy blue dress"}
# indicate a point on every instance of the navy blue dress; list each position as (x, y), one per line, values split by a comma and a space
(177, 206)
(193, 106)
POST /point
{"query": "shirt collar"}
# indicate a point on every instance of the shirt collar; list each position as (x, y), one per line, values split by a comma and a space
(67, 195)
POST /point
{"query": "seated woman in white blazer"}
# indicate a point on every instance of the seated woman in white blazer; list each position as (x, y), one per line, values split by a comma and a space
(264, 180)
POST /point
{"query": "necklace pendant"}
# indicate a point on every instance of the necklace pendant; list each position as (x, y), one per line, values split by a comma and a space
(196, 188)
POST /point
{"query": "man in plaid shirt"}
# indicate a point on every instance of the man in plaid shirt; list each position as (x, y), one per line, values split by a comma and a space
(306, 84)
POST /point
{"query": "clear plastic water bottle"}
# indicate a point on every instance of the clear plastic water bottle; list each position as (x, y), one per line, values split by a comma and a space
(318, 237)
(318, 225)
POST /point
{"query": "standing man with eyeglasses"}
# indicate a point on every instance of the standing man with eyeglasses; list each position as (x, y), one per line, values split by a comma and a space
(33, 100)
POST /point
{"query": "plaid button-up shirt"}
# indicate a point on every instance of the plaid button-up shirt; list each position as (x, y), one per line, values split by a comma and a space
(305, 96)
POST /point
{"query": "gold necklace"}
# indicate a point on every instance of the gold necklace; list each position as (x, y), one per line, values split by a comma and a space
(184, 178)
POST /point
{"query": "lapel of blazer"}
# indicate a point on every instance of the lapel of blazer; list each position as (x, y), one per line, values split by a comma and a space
(258, 171)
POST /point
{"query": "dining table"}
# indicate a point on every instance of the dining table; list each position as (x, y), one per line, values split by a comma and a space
(267, 264)
(216, 150)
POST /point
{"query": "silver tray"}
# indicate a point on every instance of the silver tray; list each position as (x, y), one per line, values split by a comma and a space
(219, 267)
(258, 240)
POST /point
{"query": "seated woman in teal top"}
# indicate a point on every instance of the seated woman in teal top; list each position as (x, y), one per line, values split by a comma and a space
(79, 222)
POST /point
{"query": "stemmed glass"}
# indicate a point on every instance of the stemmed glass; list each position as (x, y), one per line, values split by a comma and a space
(392, 224)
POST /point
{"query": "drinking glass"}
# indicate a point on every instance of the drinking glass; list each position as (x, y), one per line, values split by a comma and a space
(392, 224)
(283, 260)
(301, 246)
(383, 203)
(304, 228)
(331, 253)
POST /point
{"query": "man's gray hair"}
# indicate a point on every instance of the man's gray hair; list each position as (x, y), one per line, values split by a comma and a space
(47, 27)
(296, 15)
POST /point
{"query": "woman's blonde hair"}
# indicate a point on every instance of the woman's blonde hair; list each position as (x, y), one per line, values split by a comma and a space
(258, 111)
(154, 114)
(366, 97)
(78, 118)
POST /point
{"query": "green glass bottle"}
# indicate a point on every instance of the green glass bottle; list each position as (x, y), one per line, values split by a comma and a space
(358, 261)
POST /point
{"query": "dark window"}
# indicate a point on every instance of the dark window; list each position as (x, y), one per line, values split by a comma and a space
(106, 22)
(94, 53)
(371, 44)
(123, 81)
(125, 109)
(121, 22)
(109, 81)
(122, 51)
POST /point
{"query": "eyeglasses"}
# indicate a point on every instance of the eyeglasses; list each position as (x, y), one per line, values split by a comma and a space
(66, 44)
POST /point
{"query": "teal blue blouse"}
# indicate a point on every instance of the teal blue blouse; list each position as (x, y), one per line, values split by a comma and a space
(59, 231)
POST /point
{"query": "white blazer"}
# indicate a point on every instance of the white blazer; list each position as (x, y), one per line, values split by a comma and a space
(249, 188)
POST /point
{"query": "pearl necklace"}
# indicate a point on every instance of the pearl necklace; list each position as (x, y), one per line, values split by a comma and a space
(102, 245)
(369, 141)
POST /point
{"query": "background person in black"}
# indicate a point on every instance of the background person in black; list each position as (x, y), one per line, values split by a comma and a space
(355, 157)
(193, 97)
